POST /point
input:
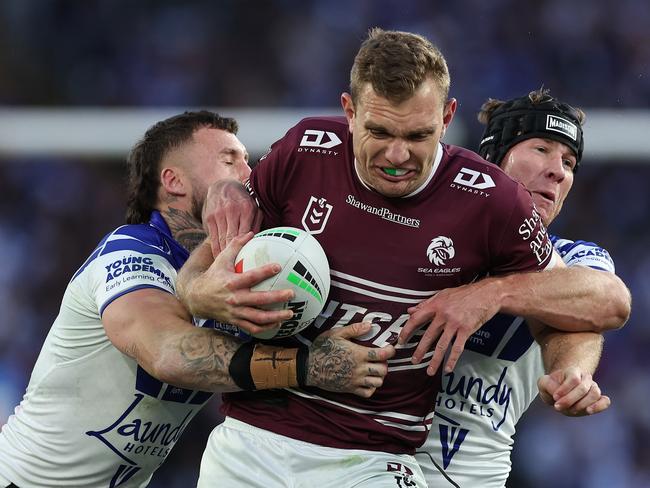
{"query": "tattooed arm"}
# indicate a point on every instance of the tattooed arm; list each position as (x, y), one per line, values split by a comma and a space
(154, 328)
(337, 364)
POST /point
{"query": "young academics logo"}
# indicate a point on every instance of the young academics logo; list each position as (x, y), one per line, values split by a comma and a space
(440, 250)
(139, 268)
(316, 215)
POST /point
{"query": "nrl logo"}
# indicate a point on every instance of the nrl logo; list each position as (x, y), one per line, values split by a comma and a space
(440, 249)
(316, 215)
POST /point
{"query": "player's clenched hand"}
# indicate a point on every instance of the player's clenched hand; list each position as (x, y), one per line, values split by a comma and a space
(452, 315)
(221, 293)
(572, 392)
(340, 365)
(229, 211)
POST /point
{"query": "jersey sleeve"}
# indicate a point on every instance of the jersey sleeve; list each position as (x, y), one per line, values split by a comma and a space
(270, 179)
(127, 262)
(524, 244)
(583, 253)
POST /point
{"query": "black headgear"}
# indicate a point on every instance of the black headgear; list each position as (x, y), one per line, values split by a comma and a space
(520, 119)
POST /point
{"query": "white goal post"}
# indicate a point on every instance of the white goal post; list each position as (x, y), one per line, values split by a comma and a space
(612, 136)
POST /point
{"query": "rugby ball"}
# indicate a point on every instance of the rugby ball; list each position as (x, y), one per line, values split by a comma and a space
(305, 269)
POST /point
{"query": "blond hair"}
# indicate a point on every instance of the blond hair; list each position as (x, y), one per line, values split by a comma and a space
(396, 63)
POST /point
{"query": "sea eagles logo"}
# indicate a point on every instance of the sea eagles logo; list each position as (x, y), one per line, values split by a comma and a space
(440, 249)
(316, 215)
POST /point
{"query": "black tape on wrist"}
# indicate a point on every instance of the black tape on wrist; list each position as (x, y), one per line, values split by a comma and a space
(240, 367)
(302, 366)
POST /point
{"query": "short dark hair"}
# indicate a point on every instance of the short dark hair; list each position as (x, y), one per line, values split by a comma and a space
(144, 160)
(396, 63)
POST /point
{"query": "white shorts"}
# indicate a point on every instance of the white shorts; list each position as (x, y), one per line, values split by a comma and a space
(240, 455)
(433, 473)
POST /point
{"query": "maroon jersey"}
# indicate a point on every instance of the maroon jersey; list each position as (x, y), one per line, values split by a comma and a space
(386, 254)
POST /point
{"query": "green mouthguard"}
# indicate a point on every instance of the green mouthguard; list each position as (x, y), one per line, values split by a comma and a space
(390, 171)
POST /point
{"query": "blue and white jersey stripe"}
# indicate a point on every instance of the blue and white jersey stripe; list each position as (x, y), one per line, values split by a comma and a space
(92, 416)
(491, 387)
(583, 253)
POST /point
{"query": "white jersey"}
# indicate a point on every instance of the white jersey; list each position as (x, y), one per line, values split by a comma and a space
(91, 417)
(492, 385)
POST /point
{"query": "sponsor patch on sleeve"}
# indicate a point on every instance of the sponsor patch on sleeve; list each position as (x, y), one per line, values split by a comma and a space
(120, 272)
(533, 232)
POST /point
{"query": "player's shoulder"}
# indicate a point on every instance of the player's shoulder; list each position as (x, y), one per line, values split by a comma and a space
(312, 140)
(125, 242)
(469, 172)
(583, 253)
(470, 167)
(334, 122)
(146, 234)
(140, 239)
(319, 132)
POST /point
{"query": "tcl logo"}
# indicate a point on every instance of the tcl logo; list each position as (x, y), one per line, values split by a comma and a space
(319, 138)
(474, 179)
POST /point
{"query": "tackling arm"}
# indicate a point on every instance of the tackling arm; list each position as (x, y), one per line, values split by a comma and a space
(574, 299)
(585, 347)
(570, 360)
(154, 328)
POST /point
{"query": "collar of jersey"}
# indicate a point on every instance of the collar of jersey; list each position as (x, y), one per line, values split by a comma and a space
(159, 223)
(434, 168)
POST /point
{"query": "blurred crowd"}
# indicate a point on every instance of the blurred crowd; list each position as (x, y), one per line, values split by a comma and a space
(290, 53)
(287, 53)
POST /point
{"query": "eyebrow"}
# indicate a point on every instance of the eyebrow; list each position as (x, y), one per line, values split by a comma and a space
(414, 133)
(234, 152)
(569, 150)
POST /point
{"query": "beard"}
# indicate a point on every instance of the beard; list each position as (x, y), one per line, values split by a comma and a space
(199, 194)
(197, 208)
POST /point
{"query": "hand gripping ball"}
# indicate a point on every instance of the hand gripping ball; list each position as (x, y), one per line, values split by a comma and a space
(305, 269)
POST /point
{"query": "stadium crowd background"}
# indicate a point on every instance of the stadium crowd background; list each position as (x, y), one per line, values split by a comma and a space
(297, 53)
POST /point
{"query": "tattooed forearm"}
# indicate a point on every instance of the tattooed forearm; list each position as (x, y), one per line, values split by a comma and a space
(206, 357)
(330, 365)
(185, 227)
